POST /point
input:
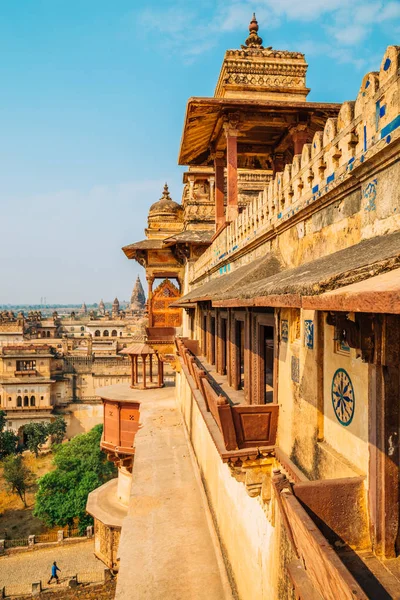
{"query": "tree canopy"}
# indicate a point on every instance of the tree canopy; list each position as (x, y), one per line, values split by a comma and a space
(17, 475)
(57, 430)
(36, 436)
(81, 467)
(8, 439)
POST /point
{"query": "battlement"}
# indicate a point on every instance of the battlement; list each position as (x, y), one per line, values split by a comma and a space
(364, 129)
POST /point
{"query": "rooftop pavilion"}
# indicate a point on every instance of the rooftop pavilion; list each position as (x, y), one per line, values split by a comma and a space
(259, 110)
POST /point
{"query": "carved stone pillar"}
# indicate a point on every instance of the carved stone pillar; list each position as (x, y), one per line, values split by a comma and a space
(160, 382)
(300, 137)
(191, 187)
(136, 369)
(132, 371)
(232, 209)
(150, 281)
(144, 369)
(219, 190)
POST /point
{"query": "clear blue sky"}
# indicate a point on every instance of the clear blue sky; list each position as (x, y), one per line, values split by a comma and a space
(92, 100)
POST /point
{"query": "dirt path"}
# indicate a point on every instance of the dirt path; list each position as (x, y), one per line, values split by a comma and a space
(26, 567)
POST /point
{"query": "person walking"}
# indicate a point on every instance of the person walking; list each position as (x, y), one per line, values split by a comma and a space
(54, 575)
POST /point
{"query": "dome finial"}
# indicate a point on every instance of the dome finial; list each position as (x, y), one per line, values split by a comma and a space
(166, 190)
(254, 40)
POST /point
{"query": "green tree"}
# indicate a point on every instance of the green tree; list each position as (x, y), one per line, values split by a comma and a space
(36, 436)
(8, 439)
(81, 467)
(57, 430)
(17, 476)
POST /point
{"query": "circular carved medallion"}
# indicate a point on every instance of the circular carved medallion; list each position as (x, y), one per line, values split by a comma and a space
(343, 398)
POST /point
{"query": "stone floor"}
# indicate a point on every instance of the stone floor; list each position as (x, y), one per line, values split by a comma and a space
(168, 549)
(26, 567)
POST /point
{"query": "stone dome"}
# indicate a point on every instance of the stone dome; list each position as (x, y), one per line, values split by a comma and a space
(165, 209)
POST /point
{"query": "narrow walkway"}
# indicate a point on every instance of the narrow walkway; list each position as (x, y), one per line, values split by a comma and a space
(167, 550)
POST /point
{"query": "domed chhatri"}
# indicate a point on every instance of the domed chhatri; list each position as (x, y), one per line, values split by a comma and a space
(165, 207)
(165, 217)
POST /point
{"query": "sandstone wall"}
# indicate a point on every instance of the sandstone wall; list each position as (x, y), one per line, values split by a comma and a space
(81, 418)
(251, 545)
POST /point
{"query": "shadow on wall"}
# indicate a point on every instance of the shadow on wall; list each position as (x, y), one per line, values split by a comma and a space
(81, 418)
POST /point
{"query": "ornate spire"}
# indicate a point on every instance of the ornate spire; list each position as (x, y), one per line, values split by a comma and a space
(166, 192)
(254, 40)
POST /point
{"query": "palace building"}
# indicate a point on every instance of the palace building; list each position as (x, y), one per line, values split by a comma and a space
(55, 365)
(275, 286)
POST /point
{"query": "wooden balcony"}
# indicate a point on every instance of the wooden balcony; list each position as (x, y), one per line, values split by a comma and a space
(242, 426)
(120, 422)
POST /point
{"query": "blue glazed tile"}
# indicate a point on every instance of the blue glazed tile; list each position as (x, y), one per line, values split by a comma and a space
(343, 397)
(285, 330)
(390, 127)
(387, 64)
(309, 334)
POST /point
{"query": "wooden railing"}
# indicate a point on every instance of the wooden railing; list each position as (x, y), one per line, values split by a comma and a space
(243, 425)
(317, 573)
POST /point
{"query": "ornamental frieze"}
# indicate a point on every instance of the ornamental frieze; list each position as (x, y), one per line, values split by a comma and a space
(265, 80)
(235, 67)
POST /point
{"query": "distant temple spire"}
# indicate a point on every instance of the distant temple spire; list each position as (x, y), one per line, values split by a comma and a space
(138, 299)
(254, 40)
(115, 307)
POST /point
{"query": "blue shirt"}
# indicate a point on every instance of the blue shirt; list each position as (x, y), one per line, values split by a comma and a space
(54, 570)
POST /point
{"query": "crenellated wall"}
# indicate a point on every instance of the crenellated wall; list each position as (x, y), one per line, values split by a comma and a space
(342, 159)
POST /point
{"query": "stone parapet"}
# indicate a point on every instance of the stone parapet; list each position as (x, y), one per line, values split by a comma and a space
(362, 136)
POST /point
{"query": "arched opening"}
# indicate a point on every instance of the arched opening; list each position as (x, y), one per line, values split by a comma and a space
(22, 437)
(97, 333)
(19, 400)
(106, 333)
(33, 401)
(114, 333)
(26, 401)
(82, 328)
(48, 334)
